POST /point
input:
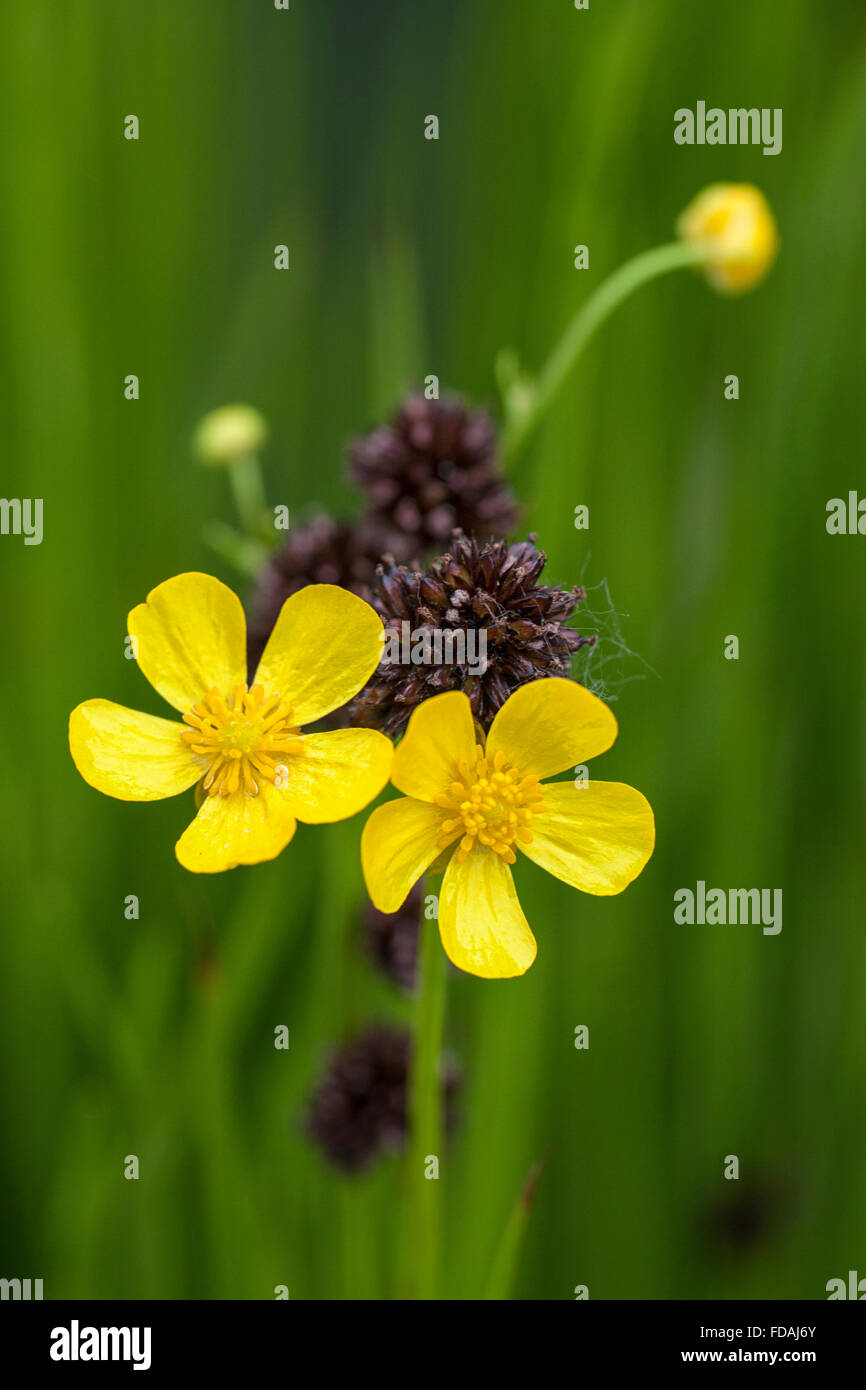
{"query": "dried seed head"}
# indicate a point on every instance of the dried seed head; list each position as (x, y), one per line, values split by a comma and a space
(391, 939)
(745, 1216)
(433, 468)
(492, 589)
(359, 1111)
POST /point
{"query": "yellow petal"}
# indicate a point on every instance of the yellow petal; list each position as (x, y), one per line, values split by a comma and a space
(481, 921)
(237, 829)
(325, 645)
(133, 756)
(440, 733)
(191, 636)
(596, 837)
(399, 841)
(338, 774)
(549, 725)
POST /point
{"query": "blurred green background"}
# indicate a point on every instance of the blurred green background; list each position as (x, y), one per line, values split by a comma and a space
(707, 517)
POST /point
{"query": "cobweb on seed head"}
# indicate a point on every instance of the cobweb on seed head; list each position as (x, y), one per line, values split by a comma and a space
(610, 665)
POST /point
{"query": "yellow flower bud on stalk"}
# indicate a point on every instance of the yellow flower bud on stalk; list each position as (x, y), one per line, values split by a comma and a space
(728, 232)
(231, 438)
(229, 433)
(734, 226)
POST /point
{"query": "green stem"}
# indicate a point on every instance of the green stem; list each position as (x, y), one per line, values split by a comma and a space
(425, 1118)
(241, 552)
(502, 1274)
(501, 1279)
(248, 490)
(522, 421)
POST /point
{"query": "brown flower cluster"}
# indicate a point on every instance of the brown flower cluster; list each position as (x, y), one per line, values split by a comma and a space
(433, 468)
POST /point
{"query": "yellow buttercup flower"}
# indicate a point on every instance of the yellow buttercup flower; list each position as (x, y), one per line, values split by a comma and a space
(484, 800)
(734, 223)
(257, 772)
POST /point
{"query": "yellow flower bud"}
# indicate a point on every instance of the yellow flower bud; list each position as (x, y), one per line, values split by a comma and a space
(229, 433)
(734, 224)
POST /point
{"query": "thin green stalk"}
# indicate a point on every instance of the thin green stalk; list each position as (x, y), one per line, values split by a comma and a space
(502, 1274)
(357, 1240)
(248, 490)
(504, 1269)
(425, 1119)
(241, 552)
(529, 403)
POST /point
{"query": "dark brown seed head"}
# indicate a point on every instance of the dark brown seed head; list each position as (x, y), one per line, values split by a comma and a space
(359, 1111)
(391, 939)
(492, 588)
(433, 468)
(744, 1216)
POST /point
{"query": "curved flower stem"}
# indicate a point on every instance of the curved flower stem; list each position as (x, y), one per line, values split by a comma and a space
(530, 402)
(425, 1118)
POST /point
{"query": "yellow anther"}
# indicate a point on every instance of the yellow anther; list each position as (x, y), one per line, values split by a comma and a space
(493, 805)
(244, 738)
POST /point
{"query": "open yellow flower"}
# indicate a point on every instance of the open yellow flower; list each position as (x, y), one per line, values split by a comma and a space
(734, 224)
(486, 801)
(258, 773)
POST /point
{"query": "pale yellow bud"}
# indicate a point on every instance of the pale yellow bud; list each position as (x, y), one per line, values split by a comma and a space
(734, 225)
(232, 432)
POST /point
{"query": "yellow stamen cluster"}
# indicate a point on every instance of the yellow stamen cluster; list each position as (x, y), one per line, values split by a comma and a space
(246, 738)
(493, 804)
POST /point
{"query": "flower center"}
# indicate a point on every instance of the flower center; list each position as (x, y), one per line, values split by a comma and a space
(493, 804)
(245, 737)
